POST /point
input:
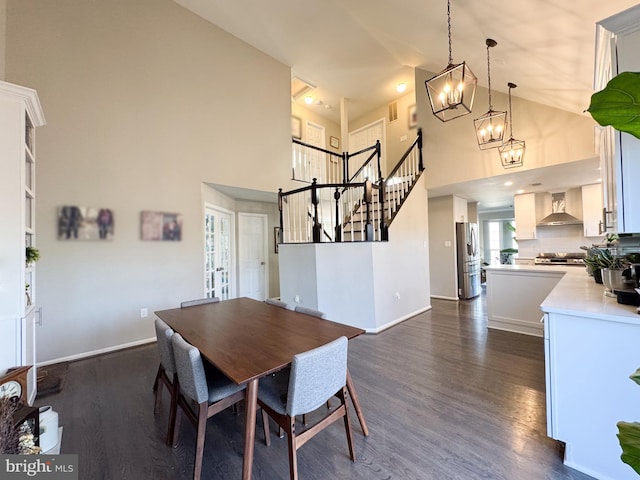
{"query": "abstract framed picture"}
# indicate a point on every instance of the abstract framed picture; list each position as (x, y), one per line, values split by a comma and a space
(84, 223)
(160, 226)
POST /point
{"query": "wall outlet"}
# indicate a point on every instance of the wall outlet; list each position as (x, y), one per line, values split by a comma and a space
(447, 243)
(397, 296)
(143, 313)
(296, 299)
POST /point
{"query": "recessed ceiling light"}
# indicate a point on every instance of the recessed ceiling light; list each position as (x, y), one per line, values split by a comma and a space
(401, 87)
(308, 99)
(520, 191)
(508, 184)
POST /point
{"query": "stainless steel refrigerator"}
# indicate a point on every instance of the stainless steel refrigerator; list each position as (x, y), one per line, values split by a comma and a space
(468, 259)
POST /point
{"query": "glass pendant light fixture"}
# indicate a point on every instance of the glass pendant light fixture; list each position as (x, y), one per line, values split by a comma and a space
(490, 127)
(512, 151)
(451, 91)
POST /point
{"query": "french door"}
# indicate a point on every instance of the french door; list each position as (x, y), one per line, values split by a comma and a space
(218, 253)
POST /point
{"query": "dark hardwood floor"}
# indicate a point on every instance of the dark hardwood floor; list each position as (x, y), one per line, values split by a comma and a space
(444, 399)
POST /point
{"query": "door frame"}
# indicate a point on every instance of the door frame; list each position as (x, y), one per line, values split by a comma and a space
(265, 245)
(232, 245)
(383, 141)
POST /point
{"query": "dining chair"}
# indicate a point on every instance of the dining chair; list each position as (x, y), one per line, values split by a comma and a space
(205, 385)
(200, 301)
(310, 311)
(278, 303)
(166, 375)
(315, 376)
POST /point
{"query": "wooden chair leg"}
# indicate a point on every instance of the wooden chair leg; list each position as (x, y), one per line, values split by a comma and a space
(265, 427)
(173, 410)
(176, 428)
(293, 454)
(342, 395)
(155, 382)
(202, 430)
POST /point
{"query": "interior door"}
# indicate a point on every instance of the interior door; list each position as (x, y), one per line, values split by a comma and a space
(363, 138)
(317, 166)
(218, 258)
(253, 256)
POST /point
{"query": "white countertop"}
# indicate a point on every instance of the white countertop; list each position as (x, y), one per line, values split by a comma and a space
(577, 294)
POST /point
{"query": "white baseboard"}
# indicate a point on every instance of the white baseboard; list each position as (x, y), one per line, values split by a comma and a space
(442, 297)
(93, 353)
(395, 322)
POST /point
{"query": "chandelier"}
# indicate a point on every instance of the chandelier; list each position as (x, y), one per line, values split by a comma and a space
(512, 151)
(490, 127)
(451, 91)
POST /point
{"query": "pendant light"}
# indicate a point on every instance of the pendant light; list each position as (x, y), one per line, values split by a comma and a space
(490, 127)
(451, 91)
(512, 151)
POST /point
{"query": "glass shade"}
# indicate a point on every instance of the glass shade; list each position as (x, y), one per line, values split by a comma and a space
(512, 153)
(451, 92)
(490, 129)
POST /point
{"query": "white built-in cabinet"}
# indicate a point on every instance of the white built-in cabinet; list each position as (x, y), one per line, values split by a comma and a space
(617, 51)
(20, 114)
(524, 207)
(592, 210)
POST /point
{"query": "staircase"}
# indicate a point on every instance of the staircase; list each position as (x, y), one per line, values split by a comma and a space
(355, 210)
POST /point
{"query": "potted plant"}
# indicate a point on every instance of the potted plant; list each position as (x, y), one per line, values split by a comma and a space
(615, 104)
(598, 259)
(32, 254)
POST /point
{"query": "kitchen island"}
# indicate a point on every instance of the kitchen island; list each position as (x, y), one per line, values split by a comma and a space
(592, 345)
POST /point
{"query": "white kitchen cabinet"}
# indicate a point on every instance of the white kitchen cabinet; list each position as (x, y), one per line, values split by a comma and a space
(592, 210)
(616, 51)
(20, 114)
(524, 206)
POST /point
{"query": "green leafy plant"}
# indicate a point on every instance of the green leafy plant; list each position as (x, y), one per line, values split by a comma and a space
(32, 255)
(618, 104)
(598, 259)
(629, 436)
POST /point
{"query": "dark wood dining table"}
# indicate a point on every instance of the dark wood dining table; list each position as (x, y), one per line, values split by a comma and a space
(247, 339)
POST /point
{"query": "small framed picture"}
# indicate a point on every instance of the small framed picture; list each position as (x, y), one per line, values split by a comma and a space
(413, 116)
(334, 142)
(296, 127)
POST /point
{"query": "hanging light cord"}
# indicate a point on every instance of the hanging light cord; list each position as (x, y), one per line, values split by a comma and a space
(511, 85)
(489, 76)
(449, 30)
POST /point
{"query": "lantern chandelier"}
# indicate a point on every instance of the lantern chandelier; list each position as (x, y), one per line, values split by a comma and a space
(512, 151)
(490, 127)
(451, 91)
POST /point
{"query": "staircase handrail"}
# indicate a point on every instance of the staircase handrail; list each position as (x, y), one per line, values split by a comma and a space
(334, 154)
(376, 151)
(418, 142)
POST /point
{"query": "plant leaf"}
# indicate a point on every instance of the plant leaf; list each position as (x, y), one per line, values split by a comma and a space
(629, 437)
(635, 376)
(618, 104)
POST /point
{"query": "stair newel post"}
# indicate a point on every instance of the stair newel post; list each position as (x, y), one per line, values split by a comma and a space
(384, 232)
(336, 196)
(345, 167)
(281, 234)
(368, 198)
(420, 164)
(378, 155)
(317, 228)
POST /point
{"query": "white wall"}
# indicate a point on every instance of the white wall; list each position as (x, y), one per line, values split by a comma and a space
(144, 102)
(442, 248)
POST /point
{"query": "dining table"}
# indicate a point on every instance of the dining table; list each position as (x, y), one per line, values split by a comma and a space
(247, 339)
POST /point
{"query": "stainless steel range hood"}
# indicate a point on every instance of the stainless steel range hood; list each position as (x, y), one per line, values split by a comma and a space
(558, 214)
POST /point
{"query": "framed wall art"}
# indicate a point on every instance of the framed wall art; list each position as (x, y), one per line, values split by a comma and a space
(84, 223)
(413, 116)
(160, 226)
(296, 127)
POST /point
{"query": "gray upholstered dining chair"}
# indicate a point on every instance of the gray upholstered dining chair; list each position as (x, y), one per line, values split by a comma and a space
(166, 375)
(310, 311)
(200, 301)
(315, 376)
(278, 303)
(205, 385)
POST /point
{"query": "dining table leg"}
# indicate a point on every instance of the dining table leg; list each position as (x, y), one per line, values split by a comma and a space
(356, 403)
(251, 402)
